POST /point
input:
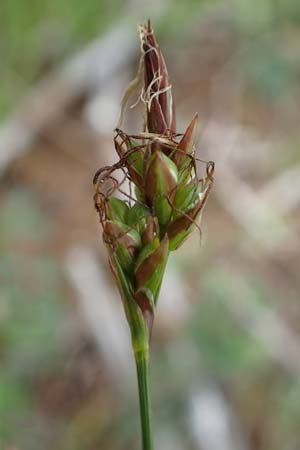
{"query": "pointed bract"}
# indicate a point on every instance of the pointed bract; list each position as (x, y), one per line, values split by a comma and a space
(186, 144)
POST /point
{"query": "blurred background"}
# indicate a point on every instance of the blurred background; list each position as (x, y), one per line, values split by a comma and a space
(226, 346)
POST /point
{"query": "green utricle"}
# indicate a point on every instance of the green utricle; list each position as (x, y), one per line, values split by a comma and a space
(117, 210)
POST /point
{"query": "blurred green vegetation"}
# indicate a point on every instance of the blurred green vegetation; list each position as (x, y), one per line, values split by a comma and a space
(31, 308)
(36, 35)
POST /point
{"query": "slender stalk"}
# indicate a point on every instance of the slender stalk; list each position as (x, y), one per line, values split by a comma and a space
(142, 368)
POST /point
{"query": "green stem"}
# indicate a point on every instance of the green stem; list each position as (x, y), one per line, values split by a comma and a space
(142, 368)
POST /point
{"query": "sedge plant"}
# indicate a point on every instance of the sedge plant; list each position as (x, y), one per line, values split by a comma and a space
(150, 207)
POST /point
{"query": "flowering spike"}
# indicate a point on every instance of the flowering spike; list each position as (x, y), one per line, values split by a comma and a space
(168, 195)
(157, 90)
